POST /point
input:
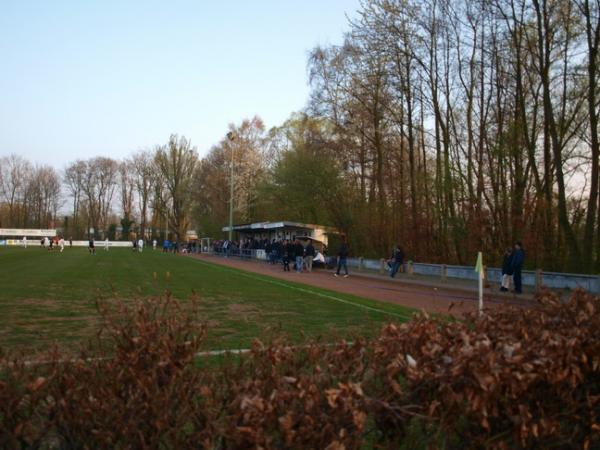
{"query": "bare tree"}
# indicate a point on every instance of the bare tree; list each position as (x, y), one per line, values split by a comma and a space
(176, 163)
(73, 177)
(144, 172)
(127, 188)
(16, 171)
(98, 187)
(591, 13)
(43, 197)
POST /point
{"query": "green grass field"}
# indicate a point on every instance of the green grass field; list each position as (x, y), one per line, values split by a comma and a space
(48, 297)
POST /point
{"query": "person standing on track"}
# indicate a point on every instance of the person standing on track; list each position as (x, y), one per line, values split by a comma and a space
(299, 252)
(517, 265)
(286, 252)
(397, 260)
(507, 270)
(277, 252)
(342, 259)
(225, 248)
(310, 255)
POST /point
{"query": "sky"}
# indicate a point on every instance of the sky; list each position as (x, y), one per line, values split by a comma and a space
(87, 78)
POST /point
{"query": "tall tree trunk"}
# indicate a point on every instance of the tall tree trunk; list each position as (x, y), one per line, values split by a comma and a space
(592, 32)
(551, 139)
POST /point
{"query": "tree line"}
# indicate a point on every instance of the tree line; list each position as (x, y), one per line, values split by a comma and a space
(447, 126)
(139, 195)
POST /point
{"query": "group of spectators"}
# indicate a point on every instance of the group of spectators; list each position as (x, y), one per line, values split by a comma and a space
(175, 247)
(226, 247)
(287, 252)
(293, 251)
(233, 247)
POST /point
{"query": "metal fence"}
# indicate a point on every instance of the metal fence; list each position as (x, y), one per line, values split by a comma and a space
(532, 278)
(238, 253)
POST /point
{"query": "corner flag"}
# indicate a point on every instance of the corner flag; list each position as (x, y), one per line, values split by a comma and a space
(479, 265)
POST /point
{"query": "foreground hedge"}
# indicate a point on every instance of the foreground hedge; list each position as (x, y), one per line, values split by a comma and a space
(512, 379)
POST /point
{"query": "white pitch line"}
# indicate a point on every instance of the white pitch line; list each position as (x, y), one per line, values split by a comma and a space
(231, 351)
(239, 351)
(308, 291)
(234, 351)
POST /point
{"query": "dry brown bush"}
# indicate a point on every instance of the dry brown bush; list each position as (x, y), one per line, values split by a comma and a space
(510, 379)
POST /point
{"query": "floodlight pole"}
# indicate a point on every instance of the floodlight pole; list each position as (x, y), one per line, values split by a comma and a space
(231, 137)
(166, 222)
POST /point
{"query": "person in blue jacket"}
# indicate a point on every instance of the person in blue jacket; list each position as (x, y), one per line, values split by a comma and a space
(397, 260)
(517, 265)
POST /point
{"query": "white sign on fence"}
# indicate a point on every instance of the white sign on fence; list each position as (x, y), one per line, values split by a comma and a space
(97, 244)
(26, 232)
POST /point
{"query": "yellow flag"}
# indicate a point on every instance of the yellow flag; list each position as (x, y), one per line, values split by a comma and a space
(479, 265)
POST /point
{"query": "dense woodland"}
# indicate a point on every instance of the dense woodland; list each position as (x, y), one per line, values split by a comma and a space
(447, 126)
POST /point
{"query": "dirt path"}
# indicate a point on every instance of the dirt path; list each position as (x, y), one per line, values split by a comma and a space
(434, 299)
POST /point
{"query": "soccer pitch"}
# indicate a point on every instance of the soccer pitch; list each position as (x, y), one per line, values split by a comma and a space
(48, 297)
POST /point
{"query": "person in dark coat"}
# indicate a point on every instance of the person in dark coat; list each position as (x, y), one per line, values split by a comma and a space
(507, 270)
(277, 252)
(269, 252)
(342, 259)
(299, 252)
(286, 249)
(397, 260)
(518, 258)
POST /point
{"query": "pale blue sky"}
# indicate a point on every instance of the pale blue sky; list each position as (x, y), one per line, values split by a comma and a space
(86, 78)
